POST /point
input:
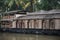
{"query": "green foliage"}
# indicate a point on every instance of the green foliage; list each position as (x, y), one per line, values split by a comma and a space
(17, 4)
(29, 5)
(49, 4)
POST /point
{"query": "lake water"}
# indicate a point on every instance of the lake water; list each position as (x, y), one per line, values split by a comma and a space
(17, 36)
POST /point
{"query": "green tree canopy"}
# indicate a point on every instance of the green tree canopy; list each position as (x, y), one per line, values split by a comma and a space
(49, 4)
(29, 5)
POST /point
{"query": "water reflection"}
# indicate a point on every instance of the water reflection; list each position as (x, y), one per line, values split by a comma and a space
(13, 36)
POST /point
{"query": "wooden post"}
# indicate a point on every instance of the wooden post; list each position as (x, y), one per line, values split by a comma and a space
(26, 23)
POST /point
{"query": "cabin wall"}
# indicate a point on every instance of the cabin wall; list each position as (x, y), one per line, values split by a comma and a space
(13, 24)
(52, 23)
(8, 17)
(40, 24)
(47, 24)
(57, 23)
(26, 21)
(36, 24)
(19, 24)
(23, 23)
(6, 24)
(32, 24)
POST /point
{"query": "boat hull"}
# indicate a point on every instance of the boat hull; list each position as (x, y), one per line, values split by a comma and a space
(31, 31)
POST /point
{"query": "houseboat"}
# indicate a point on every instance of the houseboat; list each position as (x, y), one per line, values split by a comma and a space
(40, 22)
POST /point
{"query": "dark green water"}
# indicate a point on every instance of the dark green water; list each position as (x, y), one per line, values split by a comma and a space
(14, 36)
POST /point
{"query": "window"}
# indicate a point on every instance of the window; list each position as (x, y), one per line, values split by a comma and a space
(23, 23)
(6, 24)
(28, 23)
(19, 24)
(44, 24)
(36, 23)
(51, 24)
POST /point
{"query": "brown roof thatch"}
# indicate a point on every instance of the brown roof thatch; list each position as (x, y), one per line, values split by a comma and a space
(42, 14)
(54, 11)
(15, 12)
(38, 12)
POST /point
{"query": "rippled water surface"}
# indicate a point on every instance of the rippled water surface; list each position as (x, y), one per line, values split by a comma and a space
(16, 36)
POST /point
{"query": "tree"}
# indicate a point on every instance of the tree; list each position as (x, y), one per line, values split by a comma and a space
(29, 5)
(1, 5)
(49, 4)
(16, 4)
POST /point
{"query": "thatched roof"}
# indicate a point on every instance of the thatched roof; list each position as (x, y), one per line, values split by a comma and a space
(38, 12)
(15, 12)
(42, 14)
(54, 11)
